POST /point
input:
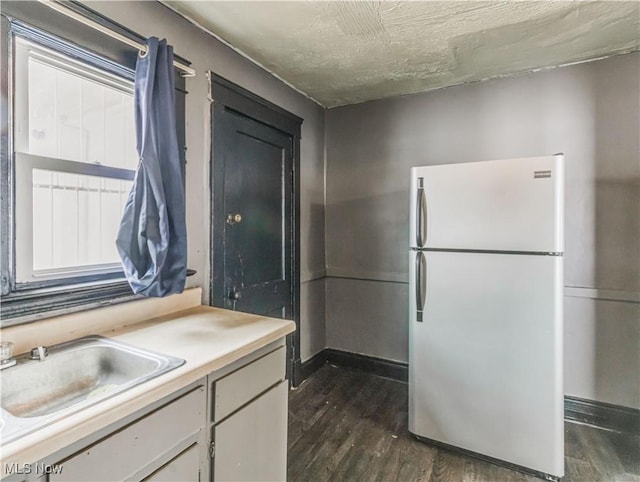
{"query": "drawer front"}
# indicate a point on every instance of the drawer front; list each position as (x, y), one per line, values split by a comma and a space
(243, 385)
(251, 445)
(184, 468)
(146, 443)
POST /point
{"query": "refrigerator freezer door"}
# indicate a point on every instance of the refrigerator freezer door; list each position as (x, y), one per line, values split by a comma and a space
(510, 205)
(485, 365)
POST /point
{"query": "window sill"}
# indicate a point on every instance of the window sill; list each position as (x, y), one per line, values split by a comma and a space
(31, 305)
(26, 306)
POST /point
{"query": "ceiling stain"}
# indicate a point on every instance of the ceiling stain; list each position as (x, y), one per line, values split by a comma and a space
(346, 52)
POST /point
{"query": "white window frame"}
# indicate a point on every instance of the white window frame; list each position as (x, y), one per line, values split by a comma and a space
(24, 163)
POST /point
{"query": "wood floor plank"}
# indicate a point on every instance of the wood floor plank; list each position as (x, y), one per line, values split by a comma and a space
(405, 457)
(339, 438)
(627, 448)
(600, 452)
(448, 467)
(580, 469)
(335, 415)
(348, 425)
(573, 447)
(358, 426)
(414, 460)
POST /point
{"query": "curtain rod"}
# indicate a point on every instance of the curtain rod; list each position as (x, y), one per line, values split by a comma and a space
(186, 71)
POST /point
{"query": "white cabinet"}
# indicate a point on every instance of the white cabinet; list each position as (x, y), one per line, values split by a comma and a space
(251, 444)
(249, 434)
(156, 441)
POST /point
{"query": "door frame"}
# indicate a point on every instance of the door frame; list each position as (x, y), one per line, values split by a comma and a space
(228, 96)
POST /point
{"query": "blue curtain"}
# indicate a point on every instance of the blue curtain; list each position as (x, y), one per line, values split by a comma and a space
(152, 238)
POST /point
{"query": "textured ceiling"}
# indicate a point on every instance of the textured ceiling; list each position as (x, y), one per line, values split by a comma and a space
(344, 52)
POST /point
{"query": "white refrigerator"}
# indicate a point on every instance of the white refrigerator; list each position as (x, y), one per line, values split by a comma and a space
(486, 314)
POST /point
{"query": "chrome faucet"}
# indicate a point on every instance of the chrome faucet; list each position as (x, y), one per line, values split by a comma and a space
(39, 353)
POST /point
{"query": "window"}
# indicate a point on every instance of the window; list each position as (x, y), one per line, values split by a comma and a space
(75, 159)
(67, 159)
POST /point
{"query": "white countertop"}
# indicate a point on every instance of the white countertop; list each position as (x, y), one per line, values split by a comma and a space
(207, 338)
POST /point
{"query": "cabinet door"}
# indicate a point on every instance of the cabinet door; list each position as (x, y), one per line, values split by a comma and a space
(251, 445)
(185, 468)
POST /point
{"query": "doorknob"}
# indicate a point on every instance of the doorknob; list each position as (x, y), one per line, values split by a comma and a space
(234, 218)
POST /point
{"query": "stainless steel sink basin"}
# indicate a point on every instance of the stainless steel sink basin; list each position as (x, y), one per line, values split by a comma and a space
(74, 375)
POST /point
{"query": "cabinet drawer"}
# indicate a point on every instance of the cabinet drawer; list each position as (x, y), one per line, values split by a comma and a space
(185, 468)
(243, 385)
(126, 454)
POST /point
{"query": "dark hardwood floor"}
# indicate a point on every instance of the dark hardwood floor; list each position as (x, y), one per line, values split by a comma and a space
(350, 425)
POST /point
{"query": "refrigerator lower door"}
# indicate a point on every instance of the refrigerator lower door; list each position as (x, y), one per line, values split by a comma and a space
(485, 363)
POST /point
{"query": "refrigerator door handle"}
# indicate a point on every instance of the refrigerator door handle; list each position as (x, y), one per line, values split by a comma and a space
(421, 215)
(421, 283)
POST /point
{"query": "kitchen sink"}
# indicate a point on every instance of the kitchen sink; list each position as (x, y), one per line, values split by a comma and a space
(74, 375)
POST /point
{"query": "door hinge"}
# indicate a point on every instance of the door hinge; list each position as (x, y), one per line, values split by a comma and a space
(212, 449)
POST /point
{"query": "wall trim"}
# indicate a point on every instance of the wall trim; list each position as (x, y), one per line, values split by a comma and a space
(601, 294)
(391, 277)
(590, 412)
(601, 414)
(307, 276)
(377, 366)
(569, 291)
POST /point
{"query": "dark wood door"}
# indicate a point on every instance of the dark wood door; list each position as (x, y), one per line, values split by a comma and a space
(258, 182)
(255, 196)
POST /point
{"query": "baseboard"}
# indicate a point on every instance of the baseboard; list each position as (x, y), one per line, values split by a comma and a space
(603, 415)
(310, 366)
(377, 366)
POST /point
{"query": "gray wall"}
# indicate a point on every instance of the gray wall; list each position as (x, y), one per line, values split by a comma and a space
(206, 53)
(590, 112)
